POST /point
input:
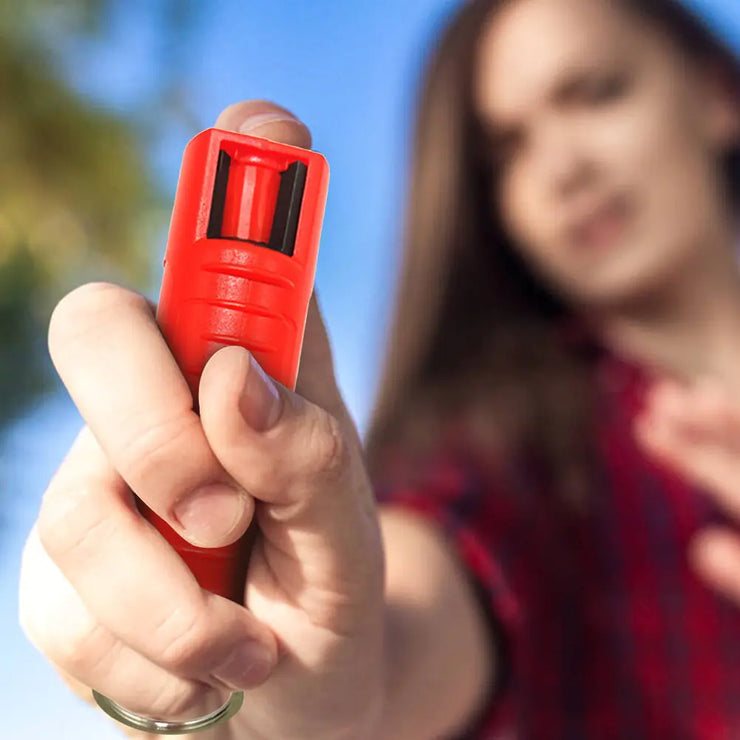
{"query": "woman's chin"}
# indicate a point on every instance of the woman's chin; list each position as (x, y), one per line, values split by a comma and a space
(619, 287)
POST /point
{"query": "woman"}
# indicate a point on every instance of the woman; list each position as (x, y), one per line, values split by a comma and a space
(575, 210)
(570, 279)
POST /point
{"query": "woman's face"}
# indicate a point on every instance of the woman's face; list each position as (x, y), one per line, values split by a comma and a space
(607, 139)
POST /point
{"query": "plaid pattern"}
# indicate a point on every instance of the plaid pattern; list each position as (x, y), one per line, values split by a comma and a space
(609, 634)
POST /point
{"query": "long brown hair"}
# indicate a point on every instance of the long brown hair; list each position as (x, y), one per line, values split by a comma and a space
(476, 342)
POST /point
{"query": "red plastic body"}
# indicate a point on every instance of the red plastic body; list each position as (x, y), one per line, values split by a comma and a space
(223, 285)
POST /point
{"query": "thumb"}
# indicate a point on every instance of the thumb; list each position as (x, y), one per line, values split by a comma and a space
(267, 120)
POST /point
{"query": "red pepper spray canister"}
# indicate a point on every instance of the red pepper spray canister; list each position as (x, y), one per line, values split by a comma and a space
(239, 269)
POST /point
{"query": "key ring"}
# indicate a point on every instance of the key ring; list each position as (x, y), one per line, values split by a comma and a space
(163, 727)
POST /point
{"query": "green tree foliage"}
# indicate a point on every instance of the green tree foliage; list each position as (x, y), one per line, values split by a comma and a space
(77, 200)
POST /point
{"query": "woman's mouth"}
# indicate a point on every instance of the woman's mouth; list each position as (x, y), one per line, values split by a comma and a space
(601, 227)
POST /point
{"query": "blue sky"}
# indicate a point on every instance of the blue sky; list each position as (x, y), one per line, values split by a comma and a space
(349, 70)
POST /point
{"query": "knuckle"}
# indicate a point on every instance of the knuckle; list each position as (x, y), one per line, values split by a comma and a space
(69, 521)
(144, 454)
(184, 634)
(82, 651)
(267, 474)
(328, 446)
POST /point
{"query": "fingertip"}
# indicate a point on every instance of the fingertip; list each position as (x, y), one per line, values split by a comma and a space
(649, 430)
(216, 515)
(226, 370)
(248, 665)
(220, 387)
(233, 375)
(714, 553)
(267, 120)
(699, 545)
(672, 413)
(260, 401)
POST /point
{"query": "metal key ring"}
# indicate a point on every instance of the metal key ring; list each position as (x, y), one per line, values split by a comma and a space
(162, 727)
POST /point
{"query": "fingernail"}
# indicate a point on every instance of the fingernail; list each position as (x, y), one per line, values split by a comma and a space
(260, 403)
(210, 514)
(248, 665)
(253, 123)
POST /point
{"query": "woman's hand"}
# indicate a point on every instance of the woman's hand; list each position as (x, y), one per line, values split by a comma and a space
(696, 430)
(111, 604)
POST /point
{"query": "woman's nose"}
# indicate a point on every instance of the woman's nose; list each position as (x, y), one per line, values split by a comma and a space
(562, 162)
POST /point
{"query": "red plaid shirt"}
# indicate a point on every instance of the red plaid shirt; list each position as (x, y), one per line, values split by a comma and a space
(609, 634)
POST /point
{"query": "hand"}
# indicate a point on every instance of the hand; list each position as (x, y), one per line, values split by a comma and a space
(114, 608)
(695, 429)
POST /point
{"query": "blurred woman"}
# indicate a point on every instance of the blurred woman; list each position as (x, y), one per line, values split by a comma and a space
(555, 445)
(571, 243)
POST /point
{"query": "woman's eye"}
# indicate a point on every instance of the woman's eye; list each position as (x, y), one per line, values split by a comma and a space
(604, 89)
